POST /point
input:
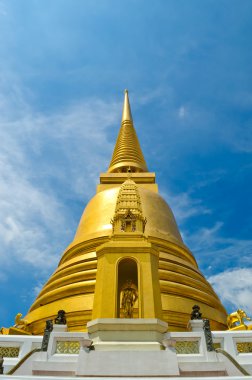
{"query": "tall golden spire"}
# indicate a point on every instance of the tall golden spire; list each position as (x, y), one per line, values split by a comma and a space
(127, 153)
(126, 114)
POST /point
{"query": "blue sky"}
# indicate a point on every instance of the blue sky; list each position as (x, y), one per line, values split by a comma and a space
(63, 68)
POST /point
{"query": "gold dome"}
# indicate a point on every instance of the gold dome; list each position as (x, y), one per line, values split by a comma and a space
(73, 285)
(95, 221)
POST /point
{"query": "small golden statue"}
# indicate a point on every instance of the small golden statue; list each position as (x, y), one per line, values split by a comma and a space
(237, 316)
(129, 297)
(4, 331)
(20, 323)
(21, 326)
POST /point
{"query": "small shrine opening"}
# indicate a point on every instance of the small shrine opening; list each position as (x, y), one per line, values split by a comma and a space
(127, 290)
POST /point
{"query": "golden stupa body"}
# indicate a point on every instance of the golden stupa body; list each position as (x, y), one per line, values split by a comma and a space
(103, 254)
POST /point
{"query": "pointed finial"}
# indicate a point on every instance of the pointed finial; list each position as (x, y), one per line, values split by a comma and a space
(126, 114)
(127, 156)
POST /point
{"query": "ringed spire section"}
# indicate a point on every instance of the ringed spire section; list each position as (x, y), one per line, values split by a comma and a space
(127, 155)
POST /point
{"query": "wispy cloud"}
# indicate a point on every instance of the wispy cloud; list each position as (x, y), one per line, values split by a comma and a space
(37, 288)
(184, 206)
(235, 287)
(211, 245)
(226, 261)
(205, 237)
(41, 158)
(211, 242)
(160, 93)
(182, 112)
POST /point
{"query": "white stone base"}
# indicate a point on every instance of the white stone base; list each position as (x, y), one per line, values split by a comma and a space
(127, 347)
(127, 330)
(128, 363)
(195, 325)
(59, 328)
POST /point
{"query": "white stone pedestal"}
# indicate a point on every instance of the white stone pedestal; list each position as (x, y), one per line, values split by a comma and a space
(59, 328)
(127, 330)
(195, 325)
(127, 347)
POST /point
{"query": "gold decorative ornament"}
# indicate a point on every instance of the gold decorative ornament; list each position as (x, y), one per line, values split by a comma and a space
(19, 322)
(67, 347)
(244, 347)
(236, 319)
(187, 347)
(217, 345)
(9, 352)
(128, 211)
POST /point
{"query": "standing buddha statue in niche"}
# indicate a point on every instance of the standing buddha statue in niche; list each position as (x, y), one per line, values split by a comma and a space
(129, 297)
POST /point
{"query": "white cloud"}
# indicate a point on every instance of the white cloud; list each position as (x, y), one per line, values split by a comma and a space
(67, 147)
(26, 212)
(217, 253)
(235, 287)
(184, 206)
(182, 112)
(204, 238)
(226, 259)
(37, 289)
(209, 242)
(223, 252)
(160, 93)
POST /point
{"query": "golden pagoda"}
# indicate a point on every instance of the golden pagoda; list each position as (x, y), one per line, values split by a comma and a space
(127, 241)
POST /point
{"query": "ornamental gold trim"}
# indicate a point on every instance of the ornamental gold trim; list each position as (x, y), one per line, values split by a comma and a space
(187, 347)
(67, 347)
(244, 347)
(9, 352)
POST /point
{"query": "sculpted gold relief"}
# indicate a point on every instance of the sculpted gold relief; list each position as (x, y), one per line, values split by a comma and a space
(127, 232)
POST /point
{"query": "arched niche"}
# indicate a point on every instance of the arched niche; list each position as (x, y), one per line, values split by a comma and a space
(127, 271)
